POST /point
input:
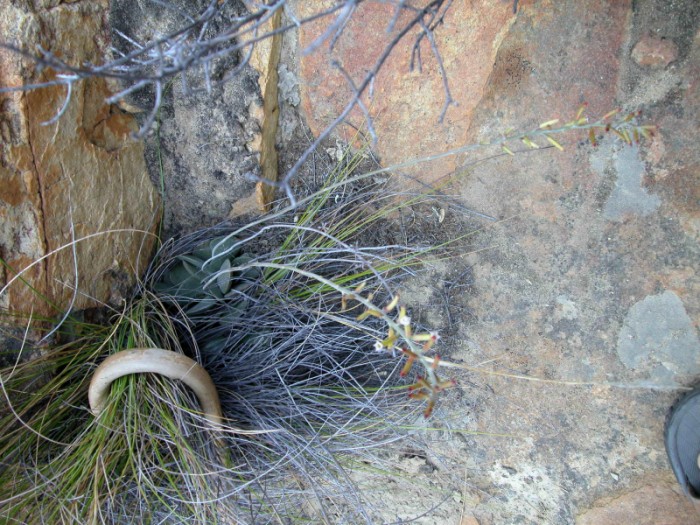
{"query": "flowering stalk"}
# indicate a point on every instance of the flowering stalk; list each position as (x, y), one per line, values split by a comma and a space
(625, 127)
(428, 387)
(400, 337)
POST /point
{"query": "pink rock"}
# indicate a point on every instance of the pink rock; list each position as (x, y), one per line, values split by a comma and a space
(503, 69)
(83, 174)
(654, 52)
(406, 105)
(659, 502)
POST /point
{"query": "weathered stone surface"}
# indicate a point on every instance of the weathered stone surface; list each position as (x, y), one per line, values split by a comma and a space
(207, 143)
(659, 501)
(654, 52)
(601, 241)
(658, 335)
(406, 105)
(595, 245)
(543, 70)
(83, 173)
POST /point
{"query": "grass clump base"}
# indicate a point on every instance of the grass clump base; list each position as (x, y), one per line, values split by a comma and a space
(304, 392)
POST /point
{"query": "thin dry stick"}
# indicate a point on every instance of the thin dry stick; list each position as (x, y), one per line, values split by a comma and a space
(155, 63)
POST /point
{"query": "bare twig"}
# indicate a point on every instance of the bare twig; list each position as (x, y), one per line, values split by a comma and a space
(361, 105)
(359, 91)
(443, 74)
(192, 47)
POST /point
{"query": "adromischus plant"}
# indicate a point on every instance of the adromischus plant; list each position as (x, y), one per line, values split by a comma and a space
(188, 283)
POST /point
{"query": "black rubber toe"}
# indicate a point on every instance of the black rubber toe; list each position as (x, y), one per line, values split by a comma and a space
(683, 442)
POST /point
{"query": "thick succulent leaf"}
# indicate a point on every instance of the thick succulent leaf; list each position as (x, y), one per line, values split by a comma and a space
(242, 259)
(178, 274)
(239, 289)
(243, 304)
(201, 305)
(212, 264)
(223, 278)
(164, 289)
(251, 274)
(191, 260)
(190, 289)
(194, 271)
(202, 252)
(222, 246)
(213, 290)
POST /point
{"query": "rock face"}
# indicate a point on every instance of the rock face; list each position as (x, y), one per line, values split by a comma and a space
(654, 52)
(406, 105)
(659, 501)
(591, 276)
(80, 176)
(207, 144)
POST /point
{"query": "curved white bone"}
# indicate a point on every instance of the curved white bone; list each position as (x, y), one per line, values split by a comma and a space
(155, 361)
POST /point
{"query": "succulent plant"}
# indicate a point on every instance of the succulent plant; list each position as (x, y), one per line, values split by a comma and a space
(202, 281)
